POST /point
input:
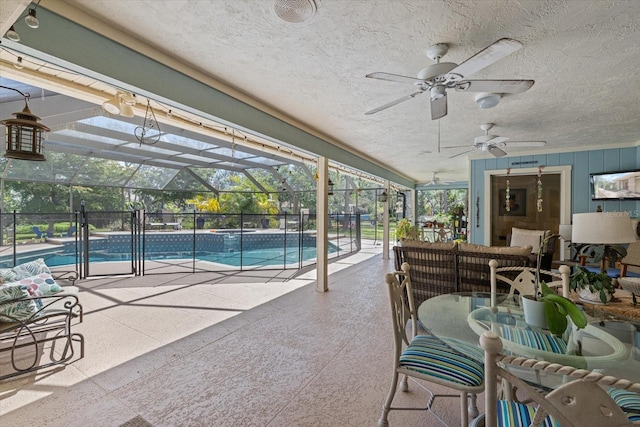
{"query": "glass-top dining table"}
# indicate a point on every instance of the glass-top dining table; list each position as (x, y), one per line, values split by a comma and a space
(460, 318)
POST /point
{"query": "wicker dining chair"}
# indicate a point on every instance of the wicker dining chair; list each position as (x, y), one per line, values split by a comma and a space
(425, 357)
(579, 401)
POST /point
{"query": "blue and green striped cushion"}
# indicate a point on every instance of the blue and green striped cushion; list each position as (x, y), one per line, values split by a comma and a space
(514, 414)
(473, 351)
(430, 356)
(627, 400)
(534, 339)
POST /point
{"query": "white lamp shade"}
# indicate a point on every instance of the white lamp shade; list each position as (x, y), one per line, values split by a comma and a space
(602, 228)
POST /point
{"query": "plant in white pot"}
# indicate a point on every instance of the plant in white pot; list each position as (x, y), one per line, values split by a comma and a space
(591, 286)
(553, 309)
(556, 309)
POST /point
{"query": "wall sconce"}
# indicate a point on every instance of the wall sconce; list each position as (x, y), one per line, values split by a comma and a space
(25, 135)
(330, 187)
(122, 104)
(383, 196)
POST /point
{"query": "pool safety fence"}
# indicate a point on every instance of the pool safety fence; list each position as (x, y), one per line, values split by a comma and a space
(97, 243)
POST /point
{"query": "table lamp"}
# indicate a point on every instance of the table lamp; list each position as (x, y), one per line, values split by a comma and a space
(602, 228)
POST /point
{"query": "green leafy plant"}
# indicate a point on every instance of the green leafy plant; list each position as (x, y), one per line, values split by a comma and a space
(597, 283)
(406, 230)
(556, 310)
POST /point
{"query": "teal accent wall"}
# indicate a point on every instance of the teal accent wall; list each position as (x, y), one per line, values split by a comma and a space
(582, 164)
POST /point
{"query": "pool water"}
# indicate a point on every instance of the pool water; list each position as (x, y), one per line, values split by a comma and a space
(254, 257)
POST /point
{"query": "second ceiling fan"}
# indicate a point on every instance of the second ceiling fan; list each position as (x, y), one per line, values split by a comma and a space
(494, 144)
(439, 77)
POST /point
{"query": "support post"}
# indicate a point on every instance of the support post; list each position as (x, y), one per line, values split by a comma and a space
(385, 220)
(322, 227)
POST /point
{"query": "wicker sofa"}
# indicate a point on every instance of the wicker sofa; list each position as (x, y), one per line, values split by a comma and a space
(441, 268)
(38, 310)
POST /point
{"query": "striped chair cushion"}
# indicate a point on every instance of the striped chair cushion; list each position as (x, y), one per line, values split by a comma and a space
(430, 356)
(534, 339)
(627, 400)
(469, 350)
(514, 414)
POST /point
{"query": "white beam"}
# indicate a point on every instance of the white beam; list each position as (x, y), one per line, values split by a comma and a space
(385, 220)
(322, 227)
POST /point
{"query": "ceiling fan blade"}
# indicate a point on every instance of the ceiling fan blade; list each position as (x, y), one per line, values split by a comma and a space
(392, 103)
(394, 78)
(495, 86)
(497, 152)
(459, 146)
(460, 154)
(438, 108)
(487, 56)
(517, 144)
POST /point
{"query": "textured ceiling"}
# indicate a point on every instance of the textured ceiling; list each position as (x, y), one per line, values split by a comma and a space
(584, 56)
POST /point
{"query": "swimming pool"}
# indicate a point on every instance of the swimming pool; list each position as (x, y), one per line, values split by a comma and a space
(229, 249)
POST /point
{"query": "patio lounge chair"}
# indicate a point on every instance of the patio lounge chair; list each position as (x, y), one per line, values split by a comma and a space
(40, 234)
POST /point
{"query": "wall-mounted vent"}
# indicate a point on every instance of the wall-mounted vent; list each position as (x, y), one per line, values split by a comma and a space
(295, 11)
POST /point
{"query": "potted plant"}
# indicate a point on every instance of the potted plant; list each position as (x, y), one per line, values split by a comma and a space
(405, 229)
(547, 310)
(591, 286)
(554, 309)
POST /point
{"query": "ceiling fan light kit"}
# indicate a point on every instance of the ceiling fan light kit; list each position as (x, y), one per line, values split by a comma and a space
(488, 100)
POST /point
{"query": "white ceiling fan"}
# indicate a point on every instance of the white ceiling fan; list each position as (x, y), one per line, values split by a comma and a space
(435, 180)
(439, 77)
(494, 144)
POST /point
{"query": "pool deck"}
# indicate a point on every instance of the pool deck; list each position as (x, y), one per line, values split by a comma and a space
(228, 349)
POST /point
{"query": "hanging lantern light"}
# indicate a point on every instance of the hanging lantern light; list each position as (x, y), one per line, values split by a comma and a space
(383, 196)
(25, 136)
(330, 187)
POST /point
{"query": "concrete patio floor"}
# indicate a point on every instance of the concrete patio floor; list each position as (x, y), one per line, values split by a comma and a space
(257, 348)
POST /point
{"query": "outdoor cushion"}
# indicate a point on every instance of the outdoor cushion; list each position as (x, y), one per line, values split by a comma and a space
(19, 310)
(534, 339)
(504, 250)
(7, 275)
(41, 285)
(469, 350)
(430, 356)
(627, 400)
(523, 237)
(32, 268)
(514, 414)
